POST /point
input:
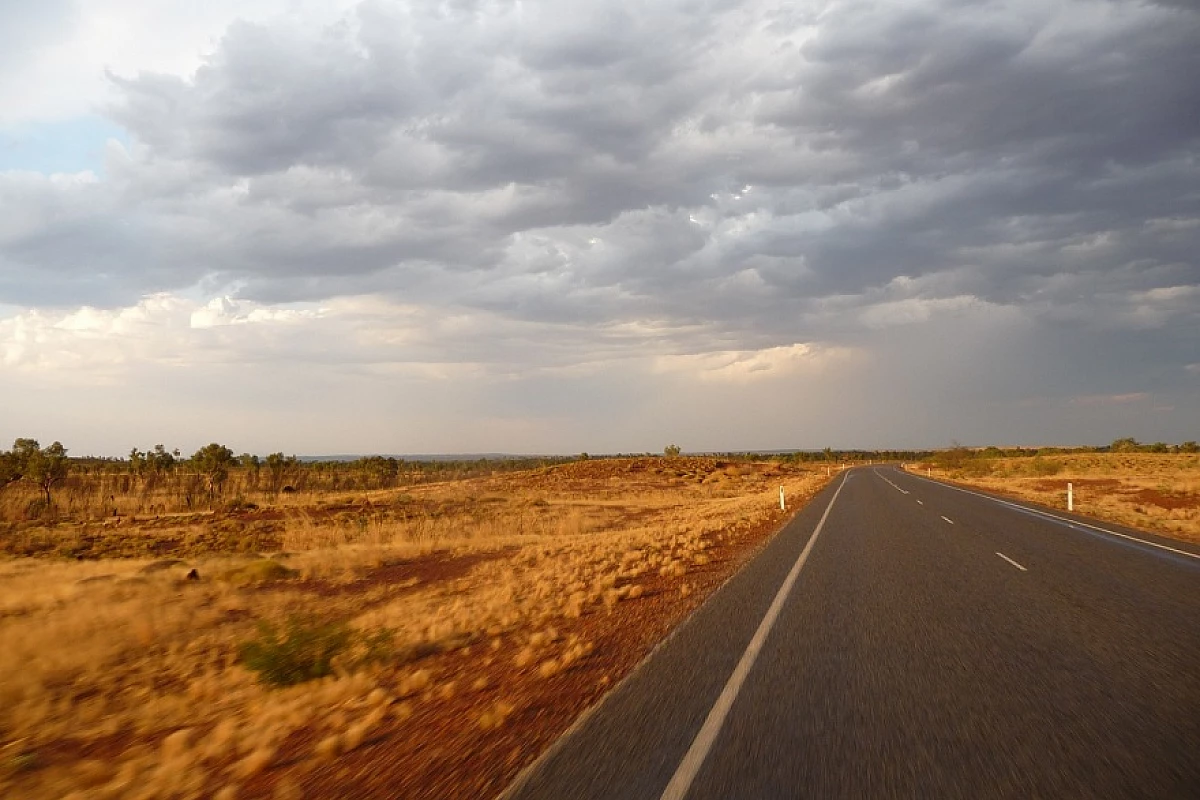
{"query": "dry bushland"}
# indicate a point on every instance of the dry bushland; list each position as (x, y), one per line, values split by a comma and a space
(264, 649)
(1158, 492)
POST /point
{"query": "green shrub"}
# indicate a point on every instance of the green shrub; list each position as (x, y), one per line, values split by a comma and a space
(304, 652)
(1044, 467)
(978, 468)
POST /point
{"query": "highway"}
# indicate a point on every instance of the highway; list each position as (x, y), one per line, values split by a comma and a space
(904, 638)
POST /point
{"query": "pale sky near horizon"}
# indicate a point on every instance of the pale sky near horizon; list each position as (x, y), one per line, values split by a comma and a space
(554, 227)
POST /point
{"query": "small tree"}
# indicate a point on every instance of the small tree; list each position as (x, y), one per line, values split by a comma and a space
(279, 468)
(41, 466)
(379, 472)
(161, 461)
(213, 462)
(1189, 447)
(672, 451)
(137, 462)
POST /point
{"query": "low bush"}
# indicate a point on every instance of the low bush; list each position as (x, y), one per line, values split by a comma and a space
(1044, 467)
(303, 651)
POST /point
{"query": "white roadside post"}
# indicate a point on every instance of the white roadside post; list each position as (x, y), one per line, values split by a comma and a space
(1070, 497)
(782, 505)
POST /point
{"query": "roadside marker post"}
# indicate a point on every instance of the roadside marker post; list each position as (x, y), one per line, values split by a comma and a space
(1070, 497)
(782, 505)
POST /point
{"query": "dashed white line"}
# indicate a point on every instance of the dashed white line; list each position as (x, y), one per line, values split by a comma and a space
(681, 781)
(1009, 560)
(948, 520)
(1070, 523)
(920, 503)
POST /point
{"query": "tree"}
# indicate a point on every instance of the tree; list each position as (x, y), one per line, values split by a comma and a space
(1126, 445)
(1189, 447)
(379, 471)
(137, 462)
(955, 457)
(161, 461)
(213, 462)
(30, 462)
(279, 468)
(10, 468)
(672, 451)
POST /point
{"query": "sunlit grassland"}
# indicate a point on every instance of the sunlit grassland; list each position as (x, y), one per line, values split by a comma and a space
(1157, 492)
(124, 678)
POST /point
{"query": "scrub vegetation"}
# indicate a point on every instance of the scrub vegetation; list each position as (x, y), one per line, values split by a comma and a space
(191, 628)
(1152, 487)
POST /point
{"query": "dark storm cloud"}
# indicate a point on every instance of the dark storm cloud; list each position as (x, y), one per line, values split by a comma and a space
(725, 164)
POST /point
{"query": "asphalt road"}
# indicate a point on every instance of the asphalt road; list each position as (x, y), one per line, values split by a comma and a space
(934, 643)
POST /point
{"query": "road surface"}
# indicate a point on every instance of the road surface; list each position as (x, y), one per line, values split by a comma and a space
(930, 642)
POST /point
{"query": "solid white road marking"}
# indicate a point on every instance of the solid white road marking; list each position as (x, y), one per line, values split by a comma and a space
(894, 486)
(1070, 523)
(948, 520)
(681, 781)
(1009, 560)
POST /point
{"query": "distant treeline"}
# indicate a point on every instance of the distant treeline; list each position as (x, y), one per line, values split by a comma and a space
(959, 455)
(41, 479)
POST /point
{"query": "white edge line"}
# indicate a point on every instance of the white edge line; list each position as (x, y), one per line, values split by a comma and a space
(1067, 520)
(1009, 560)
(525, 775)
(681, 781)
(948, 520)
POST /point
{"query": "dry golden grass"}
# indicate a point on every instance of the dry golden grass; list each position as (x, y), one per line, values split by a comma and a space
(121, 678)
(1157, 492)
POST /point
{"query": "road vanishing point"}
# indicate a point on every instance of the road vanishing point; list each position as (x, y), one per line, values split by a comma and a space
(906, 638)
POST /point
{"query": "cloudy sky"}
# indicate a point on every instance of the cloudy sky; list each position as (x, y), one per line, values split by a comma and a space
(527, 226)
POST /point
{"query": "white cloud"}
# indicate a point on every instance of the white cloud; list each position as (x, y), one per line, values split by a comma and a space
(744, 366)
(64, 74)
(916, 309)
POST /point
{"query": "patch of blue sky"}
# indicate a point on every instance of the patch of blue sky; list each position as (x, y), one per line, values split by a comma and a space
(73, 145)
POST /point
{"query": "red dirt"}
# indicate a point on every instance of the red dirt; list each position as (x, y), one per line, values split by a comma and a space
(411, 572)
(1167, 500)
(443, 752)
(1113, 486)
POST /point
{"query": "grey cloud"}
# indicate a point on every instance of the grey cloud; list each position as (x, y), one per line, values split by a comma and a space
(1037, 157)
